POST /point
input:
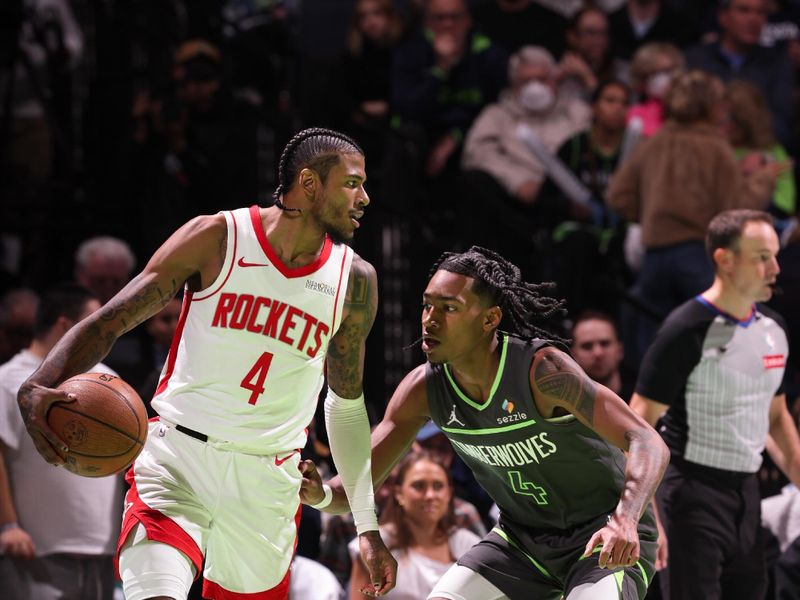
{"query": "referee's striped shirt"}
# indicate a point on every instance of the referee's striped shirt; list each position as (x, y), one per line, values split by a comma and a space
(718, 375)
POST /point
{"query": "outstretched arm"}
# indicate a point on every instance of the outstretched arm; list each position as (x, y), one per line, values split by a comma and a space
(557, 381)
(194, 253)
(406, 413)
(348, 425)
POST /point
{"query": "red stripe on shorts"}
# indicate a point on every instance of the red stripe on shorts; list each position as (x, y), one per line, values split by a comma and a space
(279, 592)
(158, 526)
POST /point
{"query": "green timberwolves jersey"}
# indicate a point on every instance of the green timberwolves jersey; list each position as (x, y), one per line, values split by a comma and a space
(544, 474)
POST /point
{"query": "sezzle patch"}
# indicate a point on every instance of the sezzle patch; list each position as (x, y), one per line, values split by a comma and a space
(774, 361)
(320, 288)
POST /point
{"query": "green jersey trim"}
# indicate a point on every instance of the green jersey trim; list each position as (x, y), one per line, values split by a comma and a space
(495, 384)
(619, 576)
(490, 430)
(536, 564)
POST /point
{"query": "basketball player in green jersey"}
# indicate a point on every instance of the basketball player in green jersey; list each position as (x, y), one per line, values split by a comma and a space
(543, 439)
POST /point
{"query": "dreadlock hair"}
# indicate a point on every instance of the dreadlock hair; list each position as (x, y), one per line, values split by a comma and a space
(315, 148)
(500, 282)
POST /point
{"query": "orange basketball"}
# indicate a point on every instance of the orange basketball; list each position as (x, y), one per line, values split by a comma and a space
(104, 428)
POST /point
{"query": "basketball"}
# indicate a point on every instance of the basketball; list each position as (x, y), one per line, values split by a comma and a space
(105, 428)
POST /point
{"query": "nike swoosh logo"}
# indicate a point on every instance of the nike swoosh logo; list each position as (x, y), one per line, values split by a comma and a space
(244, 263)
(280, 461)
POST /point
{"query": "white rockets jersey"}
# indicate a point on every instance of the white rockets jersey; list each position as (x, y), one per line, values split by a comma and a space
(246, 364)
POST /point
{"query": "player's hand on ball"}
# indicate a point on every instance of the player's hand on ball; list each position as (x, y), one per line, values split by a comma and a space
(34, 402)
(380, 563)
(311, 491)
(16, 543)
(618, 541)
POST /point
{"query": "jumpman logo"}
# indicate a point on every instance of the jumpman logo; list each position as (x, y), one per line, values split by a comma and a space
(454, 418)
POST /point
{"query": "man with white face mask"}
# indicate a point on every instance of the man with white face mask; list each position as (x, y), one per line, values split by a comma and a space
(492, 145)
(501, 174)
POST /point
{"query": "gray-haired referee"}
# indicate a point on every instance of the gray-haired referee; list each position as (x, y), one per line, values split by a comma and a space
(716, 368)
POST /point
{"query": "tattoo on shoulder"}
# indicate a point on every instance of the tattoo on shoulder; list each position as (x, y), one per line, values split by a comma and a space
(345, 358)
(358, 286)
(560, 378)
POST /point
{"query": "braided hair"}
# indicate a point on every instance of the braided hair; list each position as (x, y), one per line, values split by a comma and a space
(315, 148)
(500, 281)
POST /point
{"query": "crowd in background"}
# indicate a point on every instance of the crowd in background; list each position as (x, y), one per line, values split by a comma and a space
(590, 142)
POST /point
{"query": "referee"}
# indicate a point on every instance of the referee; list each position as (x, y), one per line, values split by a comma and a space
(716, 369)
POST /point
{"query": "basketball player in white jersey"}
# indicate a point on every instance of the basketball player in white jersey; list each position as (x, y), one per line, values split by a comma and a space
(273, 301)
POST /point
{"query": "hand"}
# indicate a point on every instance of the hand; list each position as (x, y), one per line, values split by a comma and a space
(380, 564)
(16, 543)
(34, 402)
(573, 65)
(311, 491)
(619, 541)
(437, 159)
(528, 192)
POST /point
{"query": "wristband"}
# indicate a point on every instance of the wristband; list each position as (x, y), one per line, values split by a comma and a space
(8, 526)
(326, 500)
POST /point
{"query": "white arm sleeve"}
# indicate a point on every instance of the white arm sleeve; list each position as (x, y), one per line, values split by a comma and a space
(348, 434)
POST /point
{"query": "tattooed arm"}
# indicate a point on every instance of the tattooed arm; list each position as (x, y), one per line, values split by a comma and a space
(348, 425)
(193, 254)
(558, 383)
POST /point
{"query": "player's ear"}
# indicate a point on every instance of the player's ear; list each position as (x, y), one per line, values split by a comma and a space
(492, 318)
(308, 181)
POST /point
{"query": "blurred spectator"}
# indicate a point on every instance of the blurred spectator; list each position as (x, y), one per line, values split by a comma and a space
(466, 489)
(104, 265)
(36, 59)
(653, 68)
(643, 21)
(58, 532)
(517, 23)
(41, 44)
(588, 59)
(312, 581)
(596, 347)
(193, 149)
(443, 79)
(339, 530)
(750, 132)
(17, 319)
(161, 331)
(673, 184)
(363, 79)
(738, 55)
(501, 172)
(418, 526)
(589, 266)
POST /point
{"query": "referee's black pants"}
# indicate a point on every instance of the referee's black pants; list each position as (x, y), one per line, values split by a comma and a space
(712, 519)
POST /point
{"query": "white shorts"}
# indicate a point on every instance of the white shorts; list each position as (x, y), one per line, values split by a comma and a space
(239, 511)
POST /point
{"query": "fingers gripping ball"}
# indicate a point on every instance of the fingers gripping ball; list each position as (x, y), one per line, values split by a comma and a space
(105, 428)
